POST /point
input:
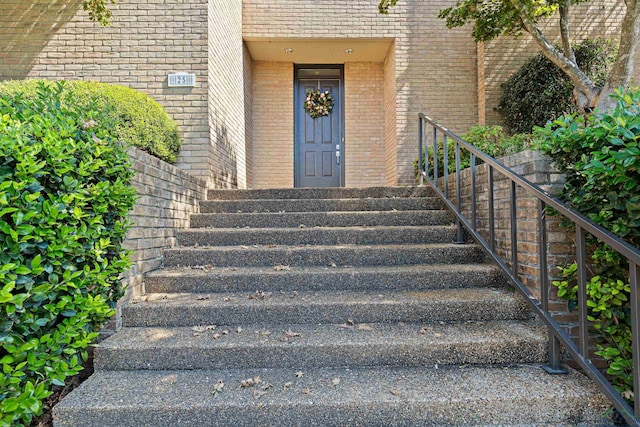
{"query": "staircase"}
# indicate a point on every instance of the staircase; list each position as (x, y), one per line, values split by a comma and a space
(326, 307)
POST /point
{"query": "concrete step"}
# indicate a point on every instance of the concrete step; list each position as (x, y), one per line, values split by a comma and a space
(321, 193)
(315, 346)
(316, 236)
(289, 279)
(320, 205)
(259, 307)
(322, 219)
(521, 395)
(343, 255)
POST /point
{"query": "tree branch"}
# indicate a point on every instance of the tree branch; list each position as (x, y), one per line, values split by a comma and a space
(564, 30)
(585, 86)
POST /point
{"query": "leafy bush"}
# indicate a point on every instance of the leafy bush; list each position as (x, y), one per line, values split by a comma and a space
(490, 139)
(600, 155)
(540, 92)
(65, 195)
(135, 118)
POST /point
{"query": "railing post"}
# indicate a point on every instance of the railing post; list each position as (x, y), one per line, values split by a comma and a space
(492, 225)
(420, 159)
(435, 156)
(514, 230)
(581, 259)
(634, 276)
(474, 219)
(445, 169)
(460, 233)
(553, 366)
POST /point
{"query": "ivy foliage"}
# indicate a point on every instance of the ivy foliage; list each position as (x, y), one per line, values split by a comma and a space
(65, 196)
(135, 118)
(600, 155)
(540, 91)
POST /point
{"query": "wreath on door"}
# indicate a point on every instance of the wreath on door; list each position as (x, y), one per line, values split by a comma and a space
(318, 103)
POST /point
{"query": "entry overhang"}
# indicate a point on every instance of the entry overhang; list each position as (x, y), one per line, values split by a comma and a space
(319, 51)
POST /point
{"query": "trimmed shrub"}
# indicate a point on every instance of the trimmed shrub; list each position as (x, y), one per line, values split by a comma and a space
(135, 118)
(600, 155)
(65, 195)
(490, 139)
(540, 92)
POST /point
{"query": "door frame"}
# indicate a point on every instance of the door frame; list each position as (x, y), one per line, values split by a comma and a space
(297, 102)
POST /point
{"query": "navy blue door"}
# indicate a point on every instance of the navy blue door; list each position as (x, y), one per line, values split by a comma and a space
(318, 148)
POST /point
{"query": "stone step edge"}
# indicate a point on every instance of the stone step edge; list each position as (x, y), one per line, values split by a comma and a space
(428, 397)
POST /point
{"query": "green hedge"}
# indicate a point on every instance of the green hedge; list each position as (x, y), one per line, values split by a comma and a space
(540, 92)
(65, 195)
(600, 155)
(135, 118)
(490, 139)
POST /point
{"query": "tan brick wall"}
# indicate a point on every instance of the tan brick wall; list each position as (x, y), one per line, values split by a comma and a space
(166, 198)
(390, 119)
(226, 94)
(272, 163)
(364, 152)
(435, 68)
(248, 114)
(146, 41)
(505, 55)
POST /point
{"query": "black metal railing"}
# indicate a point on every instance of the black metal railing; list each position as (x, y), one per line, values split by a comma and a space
(429, 133)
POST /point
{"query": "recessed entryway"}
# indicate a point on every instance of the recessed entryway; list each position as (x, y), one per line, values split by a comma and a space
(319, 142)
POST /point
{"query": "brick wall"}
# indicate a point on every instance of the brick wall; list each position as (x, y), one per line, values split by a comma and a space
(248, 114)
(226, 94)
(364, 152)
(390, 119)
(166, 198)
(434, 68)
(146, 41)
(503, 56)
(272, 125)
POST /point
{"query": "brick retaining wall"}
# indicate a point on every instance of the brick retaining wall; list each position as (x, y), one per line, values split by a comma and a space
(166, 198)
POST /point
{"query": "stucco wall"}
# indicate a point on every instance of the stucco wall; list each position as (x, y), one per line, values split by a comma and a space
(435, 68)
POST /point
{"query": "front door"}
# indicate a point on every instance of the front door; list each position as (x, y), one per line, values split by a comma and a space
(319, 156)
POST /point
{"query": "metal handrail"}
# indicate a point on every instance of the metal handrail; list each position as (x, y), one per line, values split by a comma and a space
(557, 334)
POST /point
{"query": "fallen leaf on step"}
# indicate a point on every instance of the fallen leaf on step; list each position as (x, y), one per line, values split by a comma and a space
(250, 382)
(287, 386)
(299, 374)
(203, 298)
(238, 329)
(225, 332)
(437, 335)
(395, 392)
(271, 246)
(333, 265)
(350, 322)
(265, 333)
(244, 246)
(423, 330)
(335, 381)
(306, 390)
(282, 268)
(203, 328)
(216, 336)
(291, 334)
(217, 387)
(260, 295)
(365, 327)
(302, 226)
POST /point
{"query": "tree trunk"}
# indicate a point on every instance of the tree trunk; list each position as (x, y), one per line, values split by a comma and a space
(585, 92)
(622, 71)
